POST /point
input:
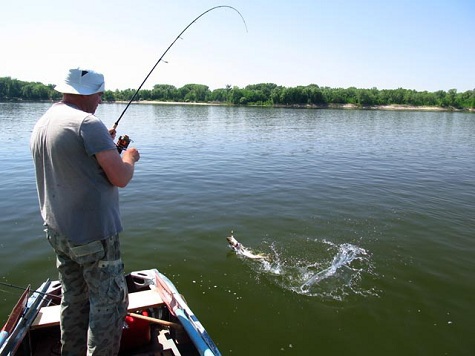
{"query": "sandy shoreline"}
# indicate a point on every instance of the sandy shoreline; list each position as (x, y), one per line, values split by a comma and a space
(329, 106)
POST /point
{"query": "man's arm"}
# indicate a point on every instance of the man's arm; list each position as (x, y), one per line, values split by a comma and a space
(119, 169)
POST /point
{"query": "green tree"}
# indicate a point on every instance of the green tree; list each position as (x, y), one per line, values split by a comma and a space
(219, 95)
(235, 95)
(108, 96)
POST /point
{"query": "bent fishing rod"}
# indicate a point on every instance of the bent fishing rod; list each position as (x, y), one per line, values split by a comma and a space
(124, 141)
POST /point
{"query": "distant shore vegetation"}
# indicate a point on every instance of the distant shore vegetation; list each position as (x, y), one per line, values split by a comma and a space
(264, 94)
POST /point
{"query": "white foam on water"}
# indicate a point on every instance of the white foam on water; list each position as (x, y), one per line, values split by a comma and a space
(345, 255)
(334, 279)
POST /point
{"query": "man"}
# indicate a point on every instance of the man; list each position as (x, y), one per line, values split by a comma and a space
(78, 172)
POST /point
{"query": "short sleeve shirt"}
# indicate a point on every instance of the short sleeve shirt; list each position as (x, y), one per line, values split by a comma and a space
(75, 196)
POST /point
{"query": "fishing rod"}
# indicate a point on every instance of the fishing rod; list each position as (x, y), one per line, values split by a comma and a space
(124, 141)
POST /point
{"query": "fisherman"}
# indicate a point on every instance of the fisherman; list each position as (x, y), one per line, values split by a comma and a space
(78, 172)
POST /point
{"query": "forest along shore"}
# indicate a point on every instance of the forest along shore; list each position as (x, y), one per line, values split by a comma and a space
(394, 107)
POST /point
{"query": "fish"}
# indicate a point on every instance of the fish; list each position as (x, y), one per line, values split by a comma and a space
(238, 247)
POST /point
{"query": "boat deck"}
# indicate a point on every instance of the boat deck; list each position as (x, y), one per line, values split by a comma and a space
(138, 301)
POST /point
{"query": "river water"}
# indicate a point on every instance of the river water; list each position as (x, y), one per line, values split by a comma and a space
(366, 218)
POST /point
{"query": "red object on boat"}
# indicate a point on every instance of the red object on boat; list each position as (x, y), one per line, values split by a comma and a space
(136, 332)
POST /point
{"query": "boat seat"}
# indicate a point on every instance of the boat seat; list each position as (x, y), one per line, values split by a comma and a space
(49, 316)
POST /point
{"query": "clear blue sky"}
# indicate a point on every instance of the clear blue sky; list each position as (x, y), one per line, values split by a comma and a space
(387, 44)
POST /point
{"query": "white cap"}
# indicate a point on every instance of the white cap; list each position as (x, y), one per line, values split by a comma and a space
(82, 81)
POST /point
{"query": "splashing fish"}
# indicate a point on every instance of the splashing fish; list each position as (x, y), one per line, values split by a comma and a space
(237, 247)
(339, 278)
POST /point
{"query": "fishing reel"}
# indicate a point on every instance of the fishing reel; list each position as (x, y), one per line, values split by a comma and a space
(123, 143)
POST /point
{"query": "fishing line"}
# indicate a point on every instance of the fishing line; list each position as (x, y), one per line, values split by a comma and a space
(171, 45)
(23, 289)
(12, 286)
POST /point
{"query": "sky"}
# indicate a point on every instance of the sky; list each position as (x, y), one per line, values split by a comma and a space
(425, 45)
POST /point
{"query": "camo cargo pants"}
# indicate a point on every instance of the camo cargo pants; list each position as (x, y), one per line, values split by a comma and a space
(95, 300)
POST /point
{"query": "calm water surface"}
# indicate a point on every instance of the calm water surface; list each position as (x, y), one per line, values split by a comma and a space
(367, 218)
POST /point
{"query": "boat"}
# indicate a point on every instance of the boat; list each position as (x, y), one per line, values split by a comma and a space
(158, 322)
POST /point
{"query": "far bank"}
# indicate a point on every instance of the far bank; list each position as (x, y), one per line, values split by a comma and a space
(393, 107)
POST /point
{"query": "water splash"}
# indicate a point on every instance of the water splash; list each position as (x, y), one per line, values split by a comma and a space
(345, 255)
(337, 273)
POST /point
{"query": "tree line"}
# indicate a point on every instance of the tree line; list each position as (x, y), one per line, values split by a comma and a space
(264, 94)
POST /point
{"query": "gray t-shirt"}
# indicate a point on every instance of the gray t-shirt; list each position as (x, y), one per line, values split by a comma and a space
(76, 198)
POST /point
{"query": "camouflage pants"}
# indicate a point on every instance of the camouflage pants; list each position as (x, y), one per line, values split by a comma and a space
(94, 301)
